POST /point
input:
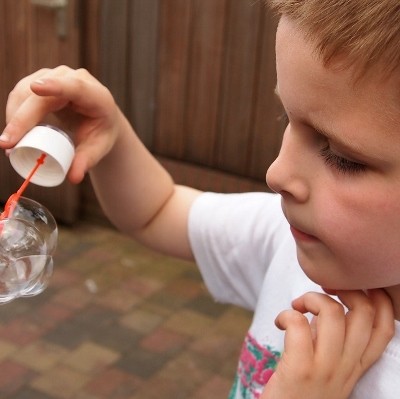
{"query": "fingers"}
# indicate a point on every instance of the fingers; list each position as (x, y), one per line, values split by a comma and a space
(49, 91)
(359, 322)
(298, 336)
(330, 325)
(79, 88)
(314, 340)
(25, 109)
(78, 168)
(369, 325)
(21, 91)
(349, 342)
(80, 103)
(87, 154)
(382, 330)
(30, 113)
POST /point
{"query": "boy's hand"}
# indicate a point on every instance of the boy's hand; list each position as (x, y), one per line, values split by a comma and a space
(80, 103)
(324, 359)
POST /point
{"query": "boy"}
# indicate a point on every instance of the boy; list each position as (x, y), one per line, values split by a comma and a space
(337, 178)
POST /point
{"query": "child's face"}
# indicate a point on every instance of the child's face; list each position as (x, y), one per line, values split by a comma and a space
(339, 168)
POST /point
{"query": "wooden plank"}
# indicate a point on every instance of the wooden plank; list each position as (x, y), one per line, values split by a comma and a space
(3, 81)
(267, 126)
(113, 54)
(238, 85)
(57, 49)
(14, 57)
(173, 69)
(204, 77)
(17, 43)
(90, 39)
(142, 71)
(209, 179)
(48, 49)
(32, 43)
(4, 38)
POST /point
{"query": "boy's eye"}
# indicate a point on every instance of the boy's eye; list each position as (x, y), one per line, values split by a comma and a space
(343, 165)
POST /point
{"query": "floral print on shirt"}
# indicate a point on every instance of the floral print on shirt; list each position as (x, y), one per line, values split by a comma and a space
(257, 363)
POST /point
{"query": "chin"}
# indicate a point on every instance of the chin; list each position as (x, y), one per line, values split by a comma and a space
(319, 276)
(323, 273)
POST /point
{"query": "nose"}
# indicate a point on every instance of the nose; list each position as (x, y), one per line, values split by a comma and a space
(287, 174)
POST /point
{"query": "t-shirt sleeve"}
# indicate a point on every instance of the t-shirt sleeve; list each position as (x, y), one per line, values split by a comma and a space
(234, 238)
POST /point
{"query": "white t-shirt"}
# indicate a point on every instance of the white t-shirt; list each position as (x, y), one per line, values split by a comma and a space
(247, 257)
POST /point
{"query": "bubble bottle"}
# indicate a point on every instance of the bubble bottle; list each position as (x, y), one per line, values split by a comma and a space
(28, 231)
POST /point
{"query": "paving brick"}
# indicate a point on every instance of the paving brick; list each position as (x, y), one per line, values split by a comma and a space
(75, 297)
(116, 337)
(216, 346)
(85, 395)
(114, 383)
(13, 376)
(141, 286)
(149, 327)
(63, 277)
(189, 322)
(53, 313)
(160, 387)
(61, 382)
(90, 358)
(141, 363)
(22, 331)
(141, 320)
(40, 356)
(168, 301)
(118, 300)
(215, 388)
(187, 372)
(184, 287)
(164, 341)
(27, 393)
(6, 349)
(234, 321)
(206, 305)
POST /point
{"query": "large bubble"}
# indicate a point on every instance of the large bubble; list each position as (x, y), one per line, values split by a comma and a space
(28, 239)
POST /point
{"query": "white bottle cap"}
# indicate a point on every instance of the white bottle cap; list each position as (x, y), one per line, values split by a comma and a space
(59, 151)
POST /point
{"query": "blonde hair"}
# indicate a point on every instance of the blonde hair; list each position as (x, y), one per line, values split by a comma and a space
(363, 33)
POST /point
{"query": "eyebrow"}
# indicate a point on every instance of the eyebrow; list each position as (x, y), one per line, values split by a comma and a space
(328, 135)
(349, 148)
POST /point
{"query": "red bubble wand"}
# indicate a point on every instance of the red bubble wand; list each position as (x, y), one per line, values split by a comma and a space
(13, 199)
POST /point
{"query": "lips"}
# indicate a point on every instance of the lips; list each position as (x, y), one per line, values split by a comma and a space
(301, 235)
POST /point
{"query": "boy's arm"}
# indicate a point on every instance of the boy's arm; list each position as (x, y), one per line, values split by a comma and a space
(140, 198)
(326, 358)
(136, 193)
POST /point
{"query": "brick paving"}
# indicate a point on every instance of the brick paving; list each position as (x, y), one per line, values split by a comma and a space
(118, 321)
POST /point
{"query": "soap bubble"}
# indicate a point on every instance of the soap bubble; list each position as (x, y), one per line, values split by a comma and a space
(41, 267)
(41, 218)
(28, 239)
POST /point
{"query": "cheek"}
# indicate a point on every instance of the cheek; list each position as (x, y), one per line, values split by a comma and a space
(362, 235)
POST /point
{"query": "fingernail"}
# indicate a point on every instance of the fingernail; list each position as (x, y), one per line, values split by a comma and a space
(40, 81)
(4, 137)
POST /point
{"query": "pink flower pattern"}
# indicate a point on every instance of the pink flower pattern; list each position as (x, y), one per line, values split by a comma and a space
(257, 363)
